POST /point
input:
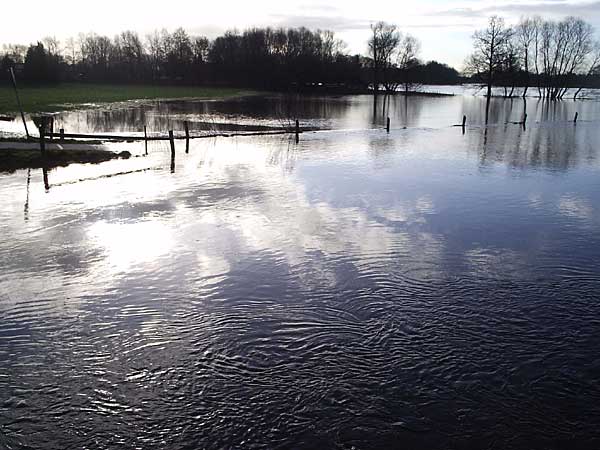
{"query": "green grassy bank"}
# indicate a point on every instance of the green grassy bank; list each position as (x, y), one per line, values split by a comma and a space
(69, 95)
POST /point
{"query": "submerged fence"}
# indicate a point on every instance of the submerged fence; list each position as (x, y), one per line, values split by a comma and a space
(46, 130)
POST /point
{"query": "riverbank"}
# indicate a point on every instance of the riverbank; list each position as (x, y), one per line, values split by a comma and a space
(18, 155)
(36, 99)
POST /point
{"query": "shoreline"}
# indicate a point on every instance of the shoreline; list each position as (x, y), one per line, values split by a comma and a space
(17, 156)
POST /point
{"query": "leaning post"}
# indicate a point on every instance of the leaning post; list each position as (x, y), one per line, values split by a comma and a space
(576, 116)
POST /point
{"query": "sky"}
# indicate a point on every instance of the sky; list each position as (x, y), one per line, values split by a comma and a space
(444, 27)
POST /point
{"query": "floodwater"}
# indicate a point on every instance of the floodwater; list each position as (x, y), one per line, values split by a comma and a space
(418, 289)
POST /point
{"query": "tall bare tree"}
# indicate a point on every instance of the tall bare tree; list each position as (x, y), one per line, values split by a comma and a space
(382, 46)
(490, 49)
(526, 38)
(408, 59)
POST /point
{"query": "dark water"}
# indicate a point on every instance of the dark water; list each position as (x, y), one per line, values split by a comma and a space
(417, 289)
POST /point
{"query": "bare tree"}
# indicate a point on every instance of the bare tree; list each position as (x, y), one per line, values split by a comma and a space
(490, 51)
(565, 47)
(526, 38)
(52, 45)
(155, 52)
(70, 51)
(511, 69)
(408, 59)
(15, 52)
(593, 65)
(382, 45)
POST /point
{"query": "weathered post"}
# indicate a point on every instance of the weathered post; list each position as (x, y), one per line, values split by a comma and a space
(297, 131)
(464, 122)
(172, 141)
(187, 136)
(576, 116)
(387, 127)
(51, 127)
(146, 140)
(62, 135)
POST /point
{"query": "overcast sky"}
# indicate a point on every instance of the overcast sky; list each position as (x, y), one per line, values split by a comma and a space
(443, 26)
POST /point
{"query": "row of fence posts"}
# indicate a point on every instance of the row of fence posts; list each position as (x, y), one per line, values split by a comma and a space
(464, 122)
(186, 128)
(49, 121)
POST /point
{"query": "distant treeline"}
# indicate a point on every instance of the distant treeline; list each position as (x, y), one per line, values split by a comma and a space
(294, 58)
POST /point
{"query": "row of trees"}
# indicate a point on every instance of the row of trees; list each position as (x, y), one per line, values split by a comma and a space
(547, 55)
(258, 57)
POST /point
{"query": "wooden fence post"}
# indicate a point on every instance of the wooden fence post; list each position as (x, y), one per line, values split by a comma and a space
(145, 140)
(297, 131)
(187, 136)
(172, 141)
(576, 116)
(387, 127)
(464, 122)
(62, 135)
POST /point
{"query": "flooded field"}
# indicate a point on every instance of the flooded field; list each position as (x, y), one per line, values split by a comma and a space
(422, 288)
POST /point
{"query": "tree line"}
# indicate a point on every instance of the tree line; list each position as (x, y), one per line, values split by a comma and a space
(282, 58)
(545, 55)
(548, 56)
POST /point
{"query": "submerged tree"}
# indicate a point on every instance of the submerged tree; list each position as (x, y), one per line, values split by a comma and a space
(382, 46)
(408, 62)
(564, 47)
(526, 33)
(491, 48)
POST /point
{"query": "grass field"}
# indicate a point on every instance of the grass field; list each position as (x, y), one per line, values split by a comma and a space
(69, 95)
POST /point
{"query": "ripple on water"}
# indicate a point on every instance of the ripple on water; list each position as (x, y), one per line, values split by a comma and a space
(361, 292)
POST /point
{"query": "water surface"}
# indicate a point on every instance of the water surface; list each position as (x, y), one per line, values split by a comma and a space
(423, 288)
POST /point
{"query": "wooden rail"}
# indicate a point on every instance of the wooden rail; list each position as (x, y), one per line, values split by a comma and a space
(110, 137)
